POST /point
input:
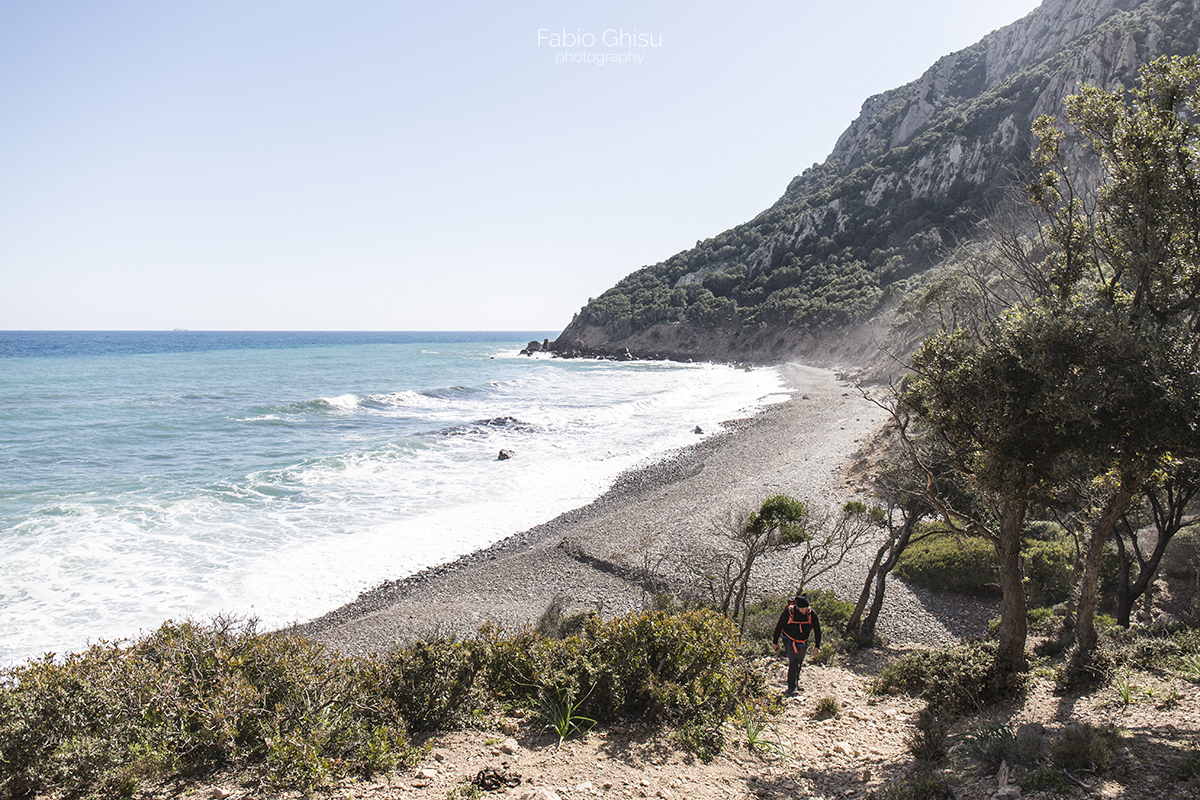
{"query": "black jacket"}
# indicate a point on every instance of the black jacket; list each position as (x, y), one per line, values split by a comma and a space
(799, 629)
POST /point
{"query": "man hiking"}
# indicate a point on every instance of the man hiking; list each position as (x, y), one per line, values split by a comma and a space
(797, 622)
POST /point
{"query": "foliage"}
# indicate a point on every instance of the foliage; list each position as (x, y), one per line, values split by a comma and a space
(944, 562)
(927, 740)
(560, 711)
(948, 563)
(1151, 650)
(664, 666)
(993, 741)
(753, 722)
(1085, 746)
(555, 623)
(743, 537)
(190, 697)
(433, 683)
(956, 679)
(1049, 567)
(827, 708)
(782, 524)
(831, 611)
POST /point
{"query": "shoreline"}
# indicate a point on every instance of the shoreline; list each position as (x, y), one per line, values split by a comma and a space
(615, 552)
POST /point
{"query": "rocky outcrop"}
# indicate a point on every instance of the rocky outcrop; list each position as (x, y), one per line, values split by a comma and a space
(914, 172)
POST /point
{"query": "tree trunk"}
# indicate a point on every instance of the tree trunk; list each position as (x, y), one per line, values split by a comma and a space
(1141, 586)
(1125, 596)
(1089, 589)
(868, 626)
(1010, 653)
(867, 631)
(855, 622)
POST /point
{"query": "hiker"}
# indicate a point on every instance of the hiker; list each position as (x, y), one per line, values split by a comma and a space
(797, 622)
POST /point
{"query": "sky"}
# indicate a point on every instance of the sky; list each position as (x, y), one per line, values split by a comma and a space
(393, 165)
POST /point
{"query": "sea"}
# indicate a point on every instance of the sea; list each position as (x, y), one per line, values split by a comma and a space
(147, 476)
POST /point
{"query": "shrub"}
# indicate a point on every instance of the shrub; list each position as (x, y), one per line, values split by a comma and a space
(946, 563)
(1085, 746)
(923, 785)
(667, 667)
(992, 741)
(1043, 530)
(1048, 570)
(927, 740)
(967, 564)
(956, 679)
(433, 683)
(827, 708)
(832, 611)
(191, 697)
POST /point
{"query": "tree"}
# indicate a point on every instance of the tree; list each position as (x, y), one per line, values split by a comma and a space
(742, 538)
(781, 524)
(1133, 247)
(903, 494)
(1168, 496)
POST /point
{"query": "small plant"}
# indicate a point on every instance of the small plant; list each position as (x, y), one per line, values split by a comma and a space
(827, 708)
(1187, 767)
(560, 710)
(1084, 746)
(927, 742)
(1191, 668)
(1127, 690)
(924, 785)
(753, 722)
(1046, 778)
(994, 741)
(957, 679)
(464, 790)
(701, 737)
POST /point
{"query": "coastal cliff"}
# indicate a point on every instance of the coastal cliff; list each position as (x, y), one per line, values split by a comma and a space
(819, 273)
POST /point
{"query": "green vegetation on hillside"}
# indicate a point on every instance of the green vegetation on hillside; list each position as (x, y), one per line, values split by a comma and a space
(848, 235)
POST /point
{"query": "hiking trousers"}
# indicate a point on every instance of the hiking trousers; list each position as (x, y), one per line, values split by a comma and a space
(795, 652)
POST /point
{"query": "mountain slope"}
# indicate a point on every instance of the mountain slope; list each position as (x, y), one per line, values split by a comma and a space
(813, 275)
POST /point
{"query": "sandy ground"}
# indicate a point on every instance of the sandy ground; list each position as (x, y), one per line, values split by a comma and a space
(596, 556)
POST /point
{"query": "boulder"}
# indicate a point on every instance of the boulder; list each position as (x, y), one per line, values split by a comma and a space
(505, 455)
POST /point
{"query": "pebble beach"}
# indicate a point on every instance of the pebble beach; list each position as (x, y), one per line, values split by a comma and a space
(613, 554)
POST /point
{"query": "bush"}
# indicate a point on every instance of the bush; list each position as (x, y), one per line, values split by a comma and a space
(827, 708)
(190, 697)
(433, 684)
(946, 563)
(967, 565)
(1048, 570)
(927, 740)
(1153, 650)
(923, 785)
(1085, 746)
(992, 741)
(956, 679)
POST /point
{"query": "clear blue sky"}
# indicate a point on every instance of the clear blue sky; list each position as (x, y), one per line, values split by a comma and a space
(393, 165)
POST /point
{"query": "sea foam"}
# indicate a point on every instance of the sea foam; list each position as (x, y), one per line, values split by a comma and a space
(197, 486)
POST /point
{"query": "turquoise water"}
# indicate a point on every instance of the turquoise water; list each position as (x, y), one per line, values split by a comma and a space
(147, 476)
